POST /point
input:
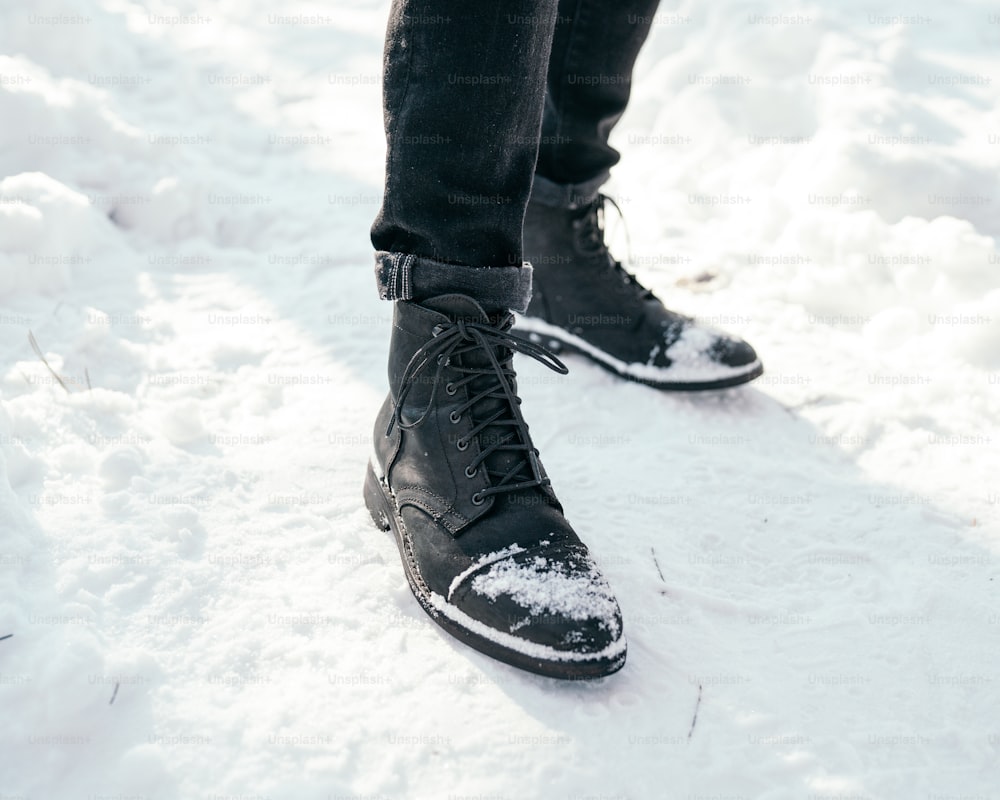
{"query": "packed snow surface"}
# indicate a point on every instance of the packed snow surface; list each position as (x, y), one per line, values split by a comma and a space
(193, 600)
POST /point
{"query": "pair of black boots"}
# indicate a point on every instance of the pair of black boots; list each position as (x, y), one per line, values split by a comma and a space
(483, 540)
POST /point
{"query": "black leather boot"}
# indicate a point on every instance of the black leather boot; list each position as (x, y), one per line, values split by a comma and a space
(584, 301)
(483, 540)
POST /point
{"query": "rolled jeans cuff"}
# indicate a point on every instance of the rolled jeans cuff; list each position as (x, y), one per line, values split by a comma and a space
(566, 195)
(404, 276)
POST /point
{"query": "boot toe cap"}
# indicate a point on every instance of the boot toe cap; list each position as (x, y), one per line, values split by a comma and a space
(553, 597)
(733, 352)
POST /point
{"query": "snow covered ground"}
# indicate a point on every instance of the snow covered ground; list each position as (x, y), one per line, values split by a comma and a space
(196, 601)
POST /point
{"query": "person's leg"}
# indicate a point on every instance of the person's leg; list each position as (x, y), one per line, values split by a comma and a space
(594, 48)
(583, 300)
(464, 85)
(454, 474)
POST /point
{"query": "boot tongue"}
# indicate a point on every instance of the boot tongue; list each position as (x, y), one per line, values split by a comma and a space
(460, 307)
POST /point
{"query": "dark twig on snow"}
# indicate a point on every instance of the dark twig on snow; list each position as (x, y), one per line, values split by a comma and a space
(660, 571)
(114, 694)
(6, 637)
(38, 352)
(694, 719)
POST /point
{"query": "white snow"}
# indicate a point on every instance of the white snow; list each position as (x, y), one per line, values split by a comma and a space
(544, 588)
(185, 194)
(479, 563)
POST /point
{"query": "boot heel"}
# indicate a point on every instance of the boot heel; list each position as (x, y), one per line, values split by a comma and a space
(377, 502)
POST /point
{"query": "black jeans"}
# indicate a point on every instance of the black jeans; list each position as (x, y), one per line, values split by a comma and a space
(465, 88)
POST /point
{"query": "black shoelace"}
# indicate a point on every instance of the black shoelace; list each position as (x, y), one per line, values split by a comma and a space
(591, 230)
(495, 381)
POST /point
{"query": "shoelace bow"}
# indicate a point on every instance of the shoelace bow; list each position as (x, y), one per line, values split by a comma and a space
(454, 339)
(592, 231)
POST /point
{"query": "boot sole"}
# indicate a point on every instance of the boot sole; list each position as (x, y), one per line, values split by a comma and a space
(529, 656)
(560, 340)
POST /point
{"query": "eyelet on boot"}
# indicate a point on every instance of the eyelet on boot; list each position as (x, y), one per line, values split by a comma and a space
(478, 499)
(450, 389)
(462, 445)
(470, 472)
(454, 417)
